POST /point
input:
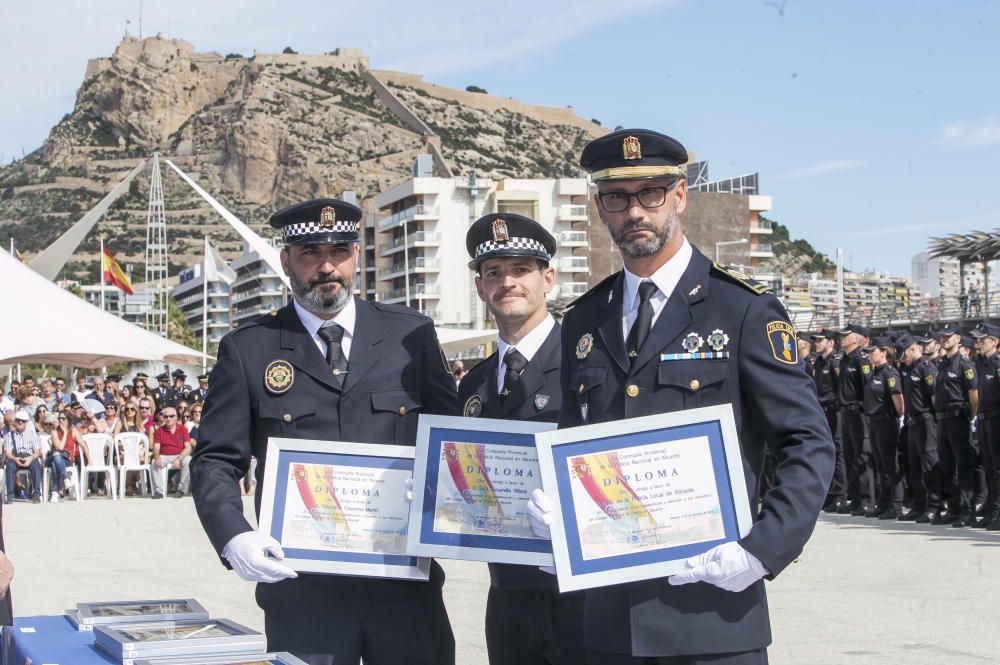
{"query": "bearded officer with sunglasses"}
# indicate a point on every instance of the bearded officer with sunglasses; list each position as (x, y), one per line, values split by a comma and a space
(675, 331)
(331, 367)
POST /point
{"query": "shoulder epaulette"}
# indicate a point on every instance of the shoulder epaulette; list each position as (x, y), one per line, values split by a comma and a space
(600, 285)
(399, 309)
(747, 282)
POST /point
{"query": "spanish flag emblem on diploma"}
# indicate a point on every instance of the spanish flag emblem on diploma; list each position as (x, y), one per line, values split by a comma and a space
(113, 273)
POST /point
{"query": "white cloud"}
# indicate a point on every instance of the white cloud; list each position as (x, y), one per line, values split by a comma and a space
(963, 134)
(823, 168)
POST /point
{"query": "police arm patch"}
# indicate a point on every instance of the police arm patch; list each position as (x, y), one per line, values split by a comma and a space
(929, 379)
(781, 336)
(891, 382)
(969, 374)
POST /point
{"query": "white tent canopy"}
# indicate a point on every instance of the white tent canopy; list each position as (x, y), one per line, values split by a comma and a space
(456, 340)
(51, 325)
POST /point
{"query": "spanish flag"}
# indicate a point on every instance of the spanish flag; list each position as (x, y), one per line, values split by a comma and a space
(113, 273)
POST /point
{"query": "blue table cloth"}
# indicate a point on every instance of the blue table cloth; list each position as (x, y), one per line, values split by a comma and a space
(50, 640)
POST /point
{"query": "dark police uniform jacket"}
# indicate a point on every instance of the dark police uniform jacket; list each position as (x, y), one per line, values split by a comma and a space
(879, 390)
(824, 376)
(773, 401)
(956, 377)
(989, 385)
(271, 379)
(918, 387)
(536, 397)
(854, 371)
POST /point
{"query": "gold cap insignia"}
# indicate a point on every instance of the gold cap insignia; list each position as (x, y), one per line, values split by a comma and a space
(631, 148)
(278, 376)
(583, 346)
(500, 233)
(327, 216)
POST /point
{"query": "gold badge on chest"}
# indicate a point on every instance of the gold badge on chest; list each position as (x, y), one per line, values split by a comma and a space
(279, 376)
(584, 345)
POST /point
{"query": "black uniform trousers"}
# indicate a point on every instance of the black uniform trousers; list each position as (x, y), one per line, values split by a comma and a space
(924, 468)
(838, 484)
(534, 627)
(857, 455)
(744, 658)
(884, 431)
(958, 461)
(989, 445)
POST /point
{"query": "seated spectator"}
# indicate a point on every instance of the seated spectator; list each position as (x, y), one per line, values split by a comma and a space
(146, 415)
(172, 449)
(47, 393)
(195, 422)
(82, 390)
(100, 393)
(26, 399)
(22, 451)
(41, 411)
(112, 422)
(60, 391)
(15, 385)
(126, 395)
(67, 441)
(131, 422)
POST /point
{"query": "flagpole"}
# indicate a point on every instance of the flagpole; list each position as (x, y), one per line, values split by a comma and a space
(101, 270)
(204, 309)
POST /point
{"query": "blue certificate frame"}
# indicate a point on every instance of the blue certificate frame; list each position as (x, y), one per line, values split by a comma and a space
(339, 507)
(472, 478)
(634, 498)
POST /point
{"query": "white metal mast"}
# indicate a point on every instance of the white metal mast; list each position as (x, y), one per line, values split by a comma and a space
(156, 255)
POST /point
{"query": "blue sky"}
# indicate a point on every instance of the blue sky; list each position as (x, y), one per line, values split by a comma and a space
(874, 125)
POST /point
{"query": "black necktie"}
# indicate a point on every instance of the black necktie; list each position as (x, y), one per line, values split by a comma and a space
(515, 363)
(640, 329)
(332, 335)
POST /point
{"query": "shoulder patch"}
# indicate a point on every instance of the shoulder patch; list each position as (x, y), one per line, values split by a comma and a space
(734, 275)
(969, 374)
(597, 288)
(781, 335)
(929, 379)
(891, 382)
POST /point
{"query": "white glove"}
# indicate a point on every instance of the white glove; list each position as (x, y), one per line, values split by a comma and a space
(972, 423)
(540, 514)
(902, 421)
(727, 566)
(408, 486)
(254, 556)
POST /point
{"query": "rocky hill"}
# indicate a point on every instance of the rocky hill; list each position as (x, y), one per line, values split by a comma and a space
(258, 132)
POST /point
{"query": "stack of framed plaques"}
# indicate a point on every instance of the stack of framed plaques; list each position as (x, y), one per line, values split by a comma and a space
(88, 615)
(281, 658)
(130, 642)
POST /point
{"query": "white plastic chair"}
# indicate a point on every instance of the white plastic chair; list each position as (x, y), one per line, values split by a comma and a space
(132, 449)
(100, 448)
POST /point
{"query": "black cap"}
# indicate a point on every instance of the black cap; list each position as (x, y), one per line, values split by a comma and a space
(203, 377)
(904, 341)
(632, 154)
(856, 328)
(178, 374)
(501, 234)
(825, 333)
(985, 329)
(141, 376)
(320, 221)
(163, 377)
(804, 336)
(882, 341)
(114, 378)
(948, 328)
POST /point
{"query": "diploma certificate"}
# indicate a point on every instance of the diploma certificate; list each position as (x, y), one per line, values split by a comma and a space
(634, 498)
(472, 481)
(340, 507)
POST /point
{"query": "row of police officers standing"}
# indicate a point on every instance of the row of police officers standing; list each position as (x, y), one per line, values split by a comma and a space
(915, 421)
(671, 331)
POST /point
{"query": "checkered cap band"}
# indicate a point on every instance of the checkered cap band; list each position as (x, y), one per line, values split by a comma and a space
(515, 243)
(311, 228)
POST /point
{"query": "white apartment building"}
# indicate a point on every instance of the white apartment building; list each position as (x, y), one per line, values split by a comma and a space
(419, 239)
(190, 298)
(936, 276)
(257, 289)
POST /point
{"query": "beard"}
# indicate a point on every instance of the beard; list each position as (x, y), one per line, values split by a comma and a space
(313, 298)
(642, 247)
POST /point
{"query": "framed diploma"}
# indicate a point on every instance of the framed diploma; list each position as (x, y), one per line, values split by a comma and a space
(340, 508)
(88, 615)
(472, 478)
(279, 658)
(634, 498)
(128, 642)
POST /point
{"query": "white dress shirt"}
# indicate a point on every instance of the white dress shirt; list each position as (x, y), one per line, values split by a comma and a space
(665, 278)
(528, 346)
(345, 319)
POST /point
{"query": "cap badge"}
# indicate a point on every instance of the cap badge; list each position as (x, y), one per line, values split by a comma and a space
(584, 345)
(500, 233)
(692, 342)
(631, 148)
(717, 340)
(278, 376)
(327, 216)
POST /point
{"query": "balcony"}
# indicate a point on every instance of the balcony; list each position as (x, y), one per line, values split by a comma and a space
(573, 239)
(762, 227)
(432, 313)
(418, 265)
(573, 213)
(419, 291)
(416, 239)
(419, 211)
(761, 251)
(572, 289)
(573, 264)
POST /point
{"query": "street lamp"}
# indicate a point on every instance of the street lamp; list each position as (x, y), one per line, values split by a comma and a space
(741, 241)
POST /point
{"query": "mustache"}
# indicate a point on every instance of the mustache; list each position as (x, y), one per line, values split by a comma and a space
(331, 279)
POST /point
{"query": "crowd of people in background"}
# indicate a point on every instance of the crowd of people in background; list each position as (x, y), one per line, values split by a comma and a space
(45, 422)
(916, 420)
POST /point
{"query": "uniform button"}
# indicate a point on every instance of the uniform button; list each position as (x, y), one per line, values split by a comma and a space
(287, 417)
(581, 388)
(402, 410)
(694, 385)
(632, 390)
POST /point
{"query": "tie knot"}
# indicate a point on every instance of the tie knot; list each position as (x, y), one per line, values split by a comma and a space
(646, 291)
(331, 333)
(515, 361)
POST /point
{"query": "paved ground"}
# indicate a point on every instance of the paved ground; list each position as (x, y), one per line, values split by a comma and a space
(864, 591)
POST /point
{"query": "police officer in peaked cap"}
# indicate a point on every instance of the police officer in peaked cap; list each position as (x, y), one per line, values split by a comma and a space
(824, 374)
(329, 367)
(527, 619)
(675, 331)
(852, 375)
(987, 337)
(918, 375)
